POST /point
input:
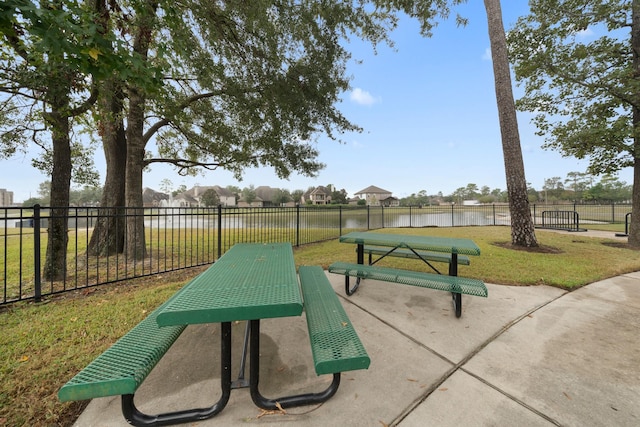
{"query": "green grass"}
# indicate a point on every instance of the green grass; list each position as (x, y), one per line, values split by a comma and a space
(43, 345)
(618, 227)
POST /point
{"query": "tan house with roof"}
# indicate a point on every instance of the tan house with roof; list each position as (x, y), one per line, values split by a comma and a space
(318, 196)
(226, 197)
(376, 196)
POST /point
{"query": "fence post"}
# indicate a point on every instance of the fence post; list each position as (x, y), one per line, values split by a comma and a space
(410, 226)
(382, 215)
(297, 224)
(368, 217)
(452, 221)
(493, 208)
(219, 231)
(37, 280)
(340, 220)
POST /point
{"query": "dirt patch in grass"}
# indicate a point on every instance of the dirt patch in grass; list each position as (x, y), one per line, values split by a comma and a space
(620, 245)
(541, 249)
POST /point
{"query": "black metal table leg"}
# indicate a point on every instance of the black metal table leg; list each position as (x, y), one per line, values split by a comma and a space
(360, 260)
(456, 297)
(457, 303)
(286, 401)
(347, 288)
(137, 418)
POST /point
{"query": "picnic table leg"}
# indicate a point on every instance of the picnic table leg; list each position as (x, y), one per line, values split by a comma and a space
(360, 260)
(137, 418)
(456, 297)
(281, 402)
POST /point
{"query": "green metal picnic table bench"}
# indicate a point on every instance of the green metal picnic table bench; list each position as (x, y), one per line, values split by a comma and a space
(455, 284)
(121, 368)
(249, 283)
(426, 248)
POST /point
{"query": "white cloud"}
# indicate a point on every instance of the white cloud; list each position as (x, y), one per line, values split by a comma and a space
(362, 97)
(585, 33)
(486, 56)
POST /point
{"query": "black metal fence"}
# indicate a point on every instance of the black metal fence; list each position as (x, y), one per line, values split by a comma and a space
(179, 238)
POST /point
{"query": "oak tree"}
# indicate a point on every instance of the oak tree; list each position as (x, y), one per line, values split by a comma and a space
(579, 61)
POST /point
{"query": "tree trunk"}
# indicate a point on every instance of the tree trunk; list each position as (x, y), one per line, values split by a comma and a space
(135, 238)
(634, 227)
(522, 229)
(55, 267)
(57, 96)
(108, 234)
(135, 245)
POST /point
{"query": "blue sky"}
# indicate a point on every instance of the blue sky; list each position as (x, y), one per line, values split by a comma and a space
(429, 115)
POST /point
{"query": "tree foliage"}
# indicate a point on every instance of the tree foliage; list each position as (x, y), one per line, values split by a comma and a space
(575, 60)
(579, 61)
(210, 198)
(253, 84)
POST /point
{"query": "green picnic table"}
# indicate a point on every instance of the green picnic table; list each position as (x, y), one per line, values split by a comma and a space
(249, 282)
(425, 248)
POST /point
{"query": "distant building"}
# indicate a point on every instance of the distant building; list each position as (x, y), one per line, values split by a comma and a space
(153, 199)
(226, 197)
(265, 194)
(257, 202)
(184, 200)
(6, 197)
(318, 196)
(390, 201)
(376, 196)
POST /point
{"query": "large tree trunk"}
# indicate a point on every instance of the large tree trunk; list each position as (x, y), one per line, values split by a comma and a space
(634, 227)
(135, 239)
(522, 229)
(55, 267)
(135, 245)
(108, 234)
(57, 120)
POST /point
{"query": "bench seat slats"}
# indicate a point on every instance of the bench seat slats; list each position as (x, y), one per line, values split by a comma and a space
(335, 344)
(456, 284)
(123, 366)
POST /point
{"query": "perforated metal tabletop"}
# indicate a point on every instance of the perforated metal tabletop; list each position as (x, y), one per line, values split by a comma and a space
(427, 243)
(250, 281)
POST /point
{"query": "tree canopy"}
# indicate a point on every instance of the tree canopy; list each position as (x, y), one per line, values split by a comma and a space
(579, 62)
(575, 60)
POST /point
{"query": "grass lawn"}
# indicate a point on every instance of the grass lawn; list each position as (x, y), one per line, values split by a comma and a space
(43, 345)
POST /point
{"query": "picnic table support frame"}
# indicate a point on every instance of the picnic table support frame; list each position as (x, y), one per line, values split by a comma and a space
(453, 269)
(360, 260)
(457, 297)
(282, 402)
(137, 418)
(241, 381)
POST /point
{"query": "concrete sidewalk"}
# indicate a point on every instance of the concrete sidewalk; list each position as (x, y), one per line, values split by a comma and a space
(526, 356)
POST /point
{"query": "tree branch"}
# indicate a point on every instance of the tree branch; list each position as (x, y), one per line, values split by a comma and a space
(88, 103)
(183, 164)
(186, 103)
